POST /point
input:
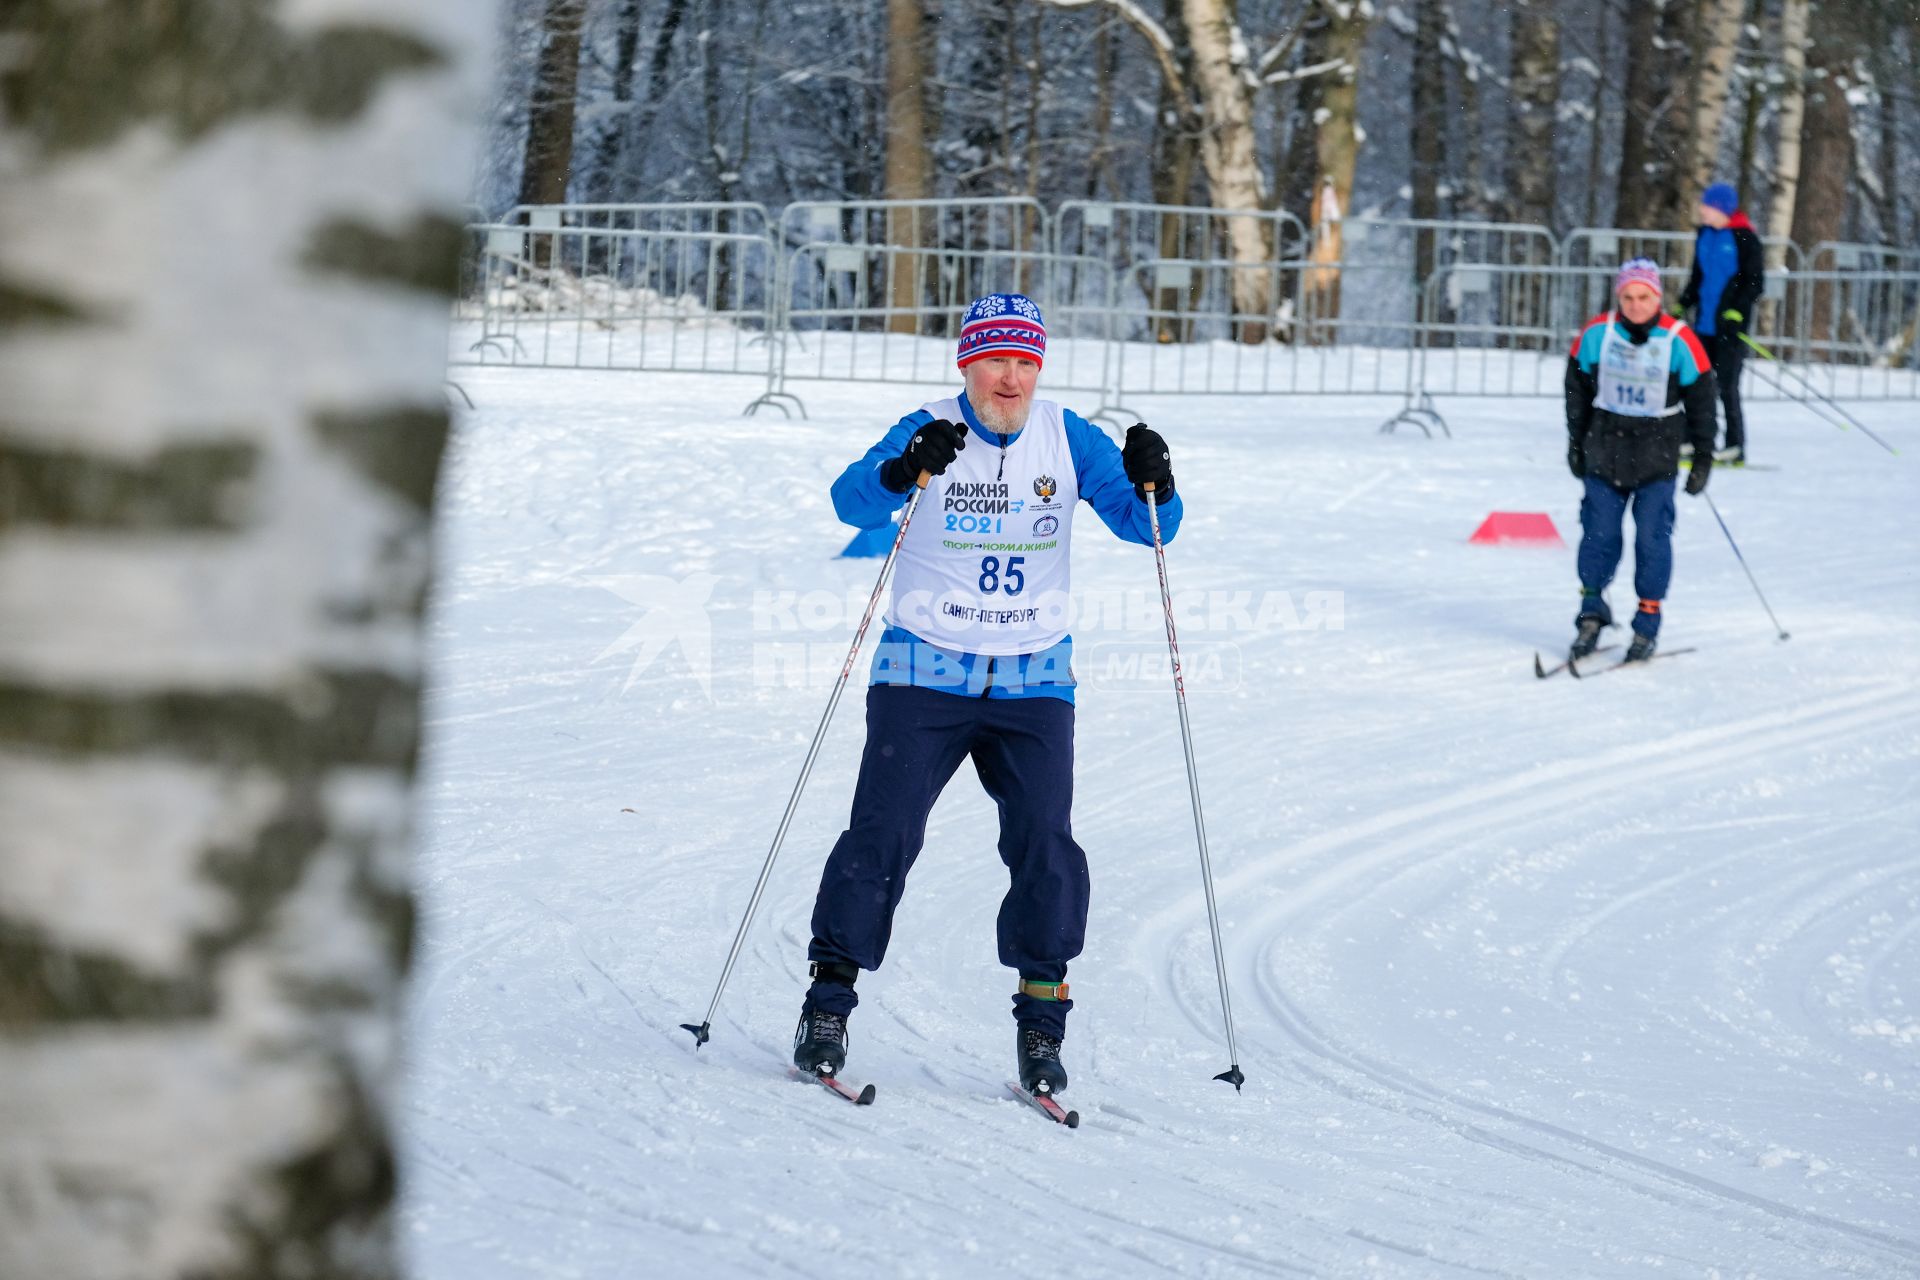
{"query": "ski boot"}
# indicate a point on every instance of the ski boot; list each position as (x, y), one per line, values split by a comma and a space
(1040, 1068)
(1641, 649)
(1733, 456)
(820, 1042)
(1587, 636)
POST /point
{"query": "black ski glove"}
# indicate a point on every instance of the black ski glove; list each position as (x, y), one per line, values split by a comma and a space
(1577, 459)
(1145, 457)
(932, 449)
(1702, 468)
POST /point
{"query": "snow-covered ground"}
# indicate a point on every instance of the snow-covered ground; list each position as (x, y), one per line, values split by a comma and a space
(1556, 979)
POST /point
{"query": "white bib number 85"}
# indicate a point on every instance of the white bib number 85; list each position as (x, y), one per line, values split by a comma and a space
(1013, 581)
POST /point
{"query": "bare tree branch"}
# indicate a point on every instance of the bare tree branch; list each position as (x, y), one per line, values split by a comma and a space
(1306, 73)
(1140, 20)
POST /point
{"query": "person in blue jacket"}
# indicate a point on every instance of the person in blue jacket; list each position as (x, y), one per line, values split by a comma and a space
(1637, 380)
(1725, 285)
(975, 662)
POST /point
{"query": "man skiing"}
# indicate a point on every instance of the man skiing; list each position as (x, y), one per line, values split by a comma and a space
(1636, 380)
(975, 662)
(1728, 277)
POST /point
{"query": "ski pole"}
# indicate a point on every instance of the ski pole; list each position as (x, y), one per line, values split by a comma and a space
(1232, 1074)
(705, 1026)
(1743, 564)
(1813, 407)
(1824, 397)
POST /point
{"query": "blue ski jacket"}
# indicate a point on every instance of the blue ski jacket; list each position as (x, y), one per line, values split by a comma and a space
(862, 499)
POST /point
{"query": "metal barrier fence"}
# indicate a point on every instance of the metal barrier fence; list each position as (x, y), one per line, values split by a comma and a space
(1185, 343)
(1419, 246)
(1123, 233)
(1018, 224)
(872, 291)
(1861, 324)
(590, 298)
(998, 225)
(692, 217)
(1609, 246)
(1441, 243)
(1471, 341)
(836, 334)
(1842, 255)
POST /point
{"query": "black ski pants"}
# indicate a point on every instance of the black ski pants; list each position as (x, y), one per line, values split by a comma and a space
(1727, 353)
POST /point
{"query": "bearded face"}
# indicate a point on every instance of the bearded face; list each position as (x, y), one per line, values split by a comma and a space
(1000, 389)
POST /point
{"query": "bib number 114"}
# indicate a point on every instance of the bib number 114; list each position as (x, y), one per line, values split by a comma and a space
(1013, 581)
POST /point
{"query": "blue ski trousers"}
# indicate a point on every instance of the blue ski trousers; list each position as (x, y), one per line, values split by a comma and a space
(1022, 751)
(1602, 512)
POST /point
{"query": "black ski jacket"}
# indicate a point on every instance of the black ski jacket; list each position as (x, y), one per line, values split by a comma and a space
(1629, 452)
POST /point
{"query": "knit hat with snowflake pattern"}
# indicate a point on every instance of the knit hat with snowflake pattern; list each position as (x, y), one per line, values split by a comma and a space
(1002, 324)
(1639, 271)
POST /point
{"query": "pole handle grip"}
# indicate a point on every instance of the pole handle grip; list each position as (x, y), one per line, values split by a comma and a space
(1148, 486)
(925, 476)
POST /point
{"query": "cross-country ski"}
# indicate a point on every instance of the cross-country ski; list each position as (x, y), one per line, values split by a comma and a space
(860, 1097)
(1045, 1105)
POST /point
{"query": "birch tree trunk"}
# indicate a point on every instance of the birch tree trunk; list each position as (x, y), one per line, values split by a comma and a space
(549, 161)
(1202, 56)
(1716, 37)
(1793, 102)
(1470, 182)
(640, 132)
(1654, 151)
(1428, 119)
(1751, 103)
(1636, 142)
(1337, 151)
(1298, 171)
(1176, 156)
(610, 150)
(907, 176)
(1229, 153)
(1890, 216)
(1820, 212)
(1596, 138)
(1535, 72)
(225, 267)
(1106, 69)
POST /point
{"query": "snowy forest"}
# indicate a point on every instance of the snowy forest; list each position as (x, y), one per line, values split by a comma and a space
(1543, 112)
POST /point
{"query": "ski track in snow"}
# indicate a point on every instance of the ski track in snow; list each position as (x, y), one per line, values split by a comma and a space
(1531, 978)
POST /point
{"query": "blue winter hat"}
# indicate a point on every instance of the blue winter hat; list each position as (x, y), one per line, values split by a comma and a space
(1721, 196)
